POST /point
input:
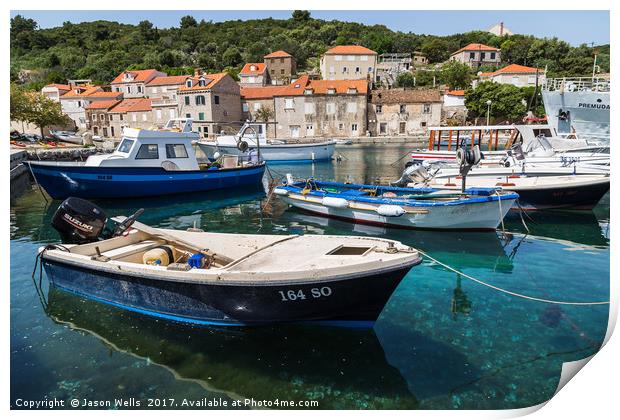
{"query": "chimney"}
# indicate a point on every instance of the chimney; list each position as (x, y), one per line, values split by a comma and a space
(501, 29)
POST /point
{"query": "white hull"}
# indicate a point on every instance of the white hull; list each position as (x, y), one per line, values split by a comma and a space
(585, 113)
(476, 216)
(281, 152)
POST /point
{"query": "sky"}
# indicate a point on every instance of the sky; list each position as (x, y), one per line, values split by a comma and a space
(575, 27)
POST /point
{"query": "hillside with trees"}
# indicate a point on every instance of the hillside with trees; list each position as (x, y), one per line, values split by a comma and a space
(100, 50)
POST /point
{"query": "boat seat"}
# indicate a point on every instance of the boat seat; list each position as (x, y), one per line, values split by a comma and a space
(125, 251)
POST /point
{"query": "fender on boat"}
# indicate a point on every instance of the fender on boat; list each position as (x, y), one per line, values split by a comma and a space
(280, 191)
(337, 202)
(390, 210)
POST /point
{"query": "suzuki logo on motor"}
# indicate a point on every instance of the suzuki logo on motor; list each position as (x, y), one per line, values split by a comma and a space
(80, 225)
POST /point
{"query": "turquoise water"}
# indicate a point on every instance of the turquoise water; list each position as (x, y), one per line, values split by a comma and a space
(442, 342)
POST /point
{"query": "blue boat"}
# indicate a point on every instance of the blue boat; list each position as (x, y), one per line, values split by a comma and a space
(146, 163)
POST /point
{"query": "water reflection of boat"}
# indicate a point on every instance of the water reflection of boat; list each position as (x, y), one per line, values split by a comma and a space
(340, 368)
(464, 249)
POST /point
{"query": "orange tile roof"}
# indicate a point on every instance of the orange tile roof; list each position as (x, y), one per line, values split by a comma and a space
(516, 68)
(59, 86)
(247, 71)
(103, 94)
(82, 91)
(455, 92)
(350, 49)
(486, 74)
(133, 105)
(265, 92)
(211, 80)
(139, 75)
(321, 87)
(278, 54)
(168, 80)
(102, 104)
(476, 47)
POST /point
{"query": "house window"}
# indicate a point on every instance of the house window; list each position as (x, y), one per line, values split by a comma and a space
(202, 82)
(105, 132)
(401, 127)
(352, 107)
(281, 71)
(309, 108)
(187, 100)
(289, 103)
(344, 70)
(120, 117)
(101, 117)
(423, 124)
(201, 116)
(188, 83)
(109, 117)
(403, 108)
(139, 89)
(205, 130)
(128, 89)
(147, 151)
(369, 69)
(382, 128)
(94, 118)
(294, 131)
(357, 70)
(176, 151)
(472, 56)
(354, 128)
(330, 108)
(379, 109)
(245, 107)
(112, 130)
(482, 55)
(282, 60)
(158, 112)
(257, 106)
(95, 131)
(273, 71)
(188, 115)
(216, 99)
(492, 56)
(134, 117)
(200, 100)
(340, 126)
(427, 109)
(79, 104)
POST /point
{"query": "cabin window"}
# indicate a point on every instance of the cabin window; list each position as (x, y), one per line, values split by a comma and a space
(176, 151)
(200, 100)
(148, 151)
(216, 99)
(187, 100)
(125, 146)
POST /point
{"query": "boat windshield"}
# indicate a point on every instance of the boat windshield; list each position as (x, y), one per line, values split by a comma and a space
(125, 146)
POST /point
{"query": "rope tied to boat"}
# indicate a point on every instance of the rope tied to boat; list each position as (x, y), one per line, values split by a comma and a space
(509, 292)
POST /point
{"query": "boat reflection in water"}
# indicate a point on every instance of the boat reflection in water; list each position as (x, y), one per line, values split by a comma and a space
(290, 362)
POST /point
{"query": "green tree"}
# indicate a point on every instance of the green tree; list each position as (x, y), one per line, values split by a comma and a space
(456, 75)
(507, 101)
(301, 15)
(425, 78)
(43, 112)
(264, 114)
(405, 79)
(188, 22)
(18, 103)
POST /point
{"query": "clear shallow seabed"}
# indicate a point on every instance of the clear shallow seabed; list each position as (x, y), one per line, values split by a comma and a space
(442, 342)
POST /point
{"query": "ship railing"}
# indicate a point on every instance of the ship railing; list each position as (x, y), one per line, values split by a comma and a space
(578, 84)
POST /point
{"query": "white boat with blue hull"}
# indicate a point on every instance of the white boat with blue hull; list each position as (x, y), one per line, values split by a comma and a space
(413, 208)
(208, 278)
(146, 163)
(251, 141)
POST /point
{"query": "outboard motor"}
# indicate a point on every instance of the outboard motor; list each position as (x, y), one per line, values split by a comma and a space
(79, 221)
(466, 158)
(414, 172)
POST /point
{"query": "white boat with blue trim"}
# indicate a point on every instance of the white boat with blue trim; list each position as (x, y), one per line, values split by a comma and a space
(251, 139)
(413, 208)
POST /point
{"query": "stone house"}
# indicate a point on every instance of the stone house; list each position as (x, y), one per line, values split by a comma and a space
(213, 101)
(254, 99)
(321, 108)
(516, 75)
(419, 59)
(281, 67)
(349, 62)
(454, 106)
(132, 112)
(403, 112)
(98, 118)
(476, 55)
(390, 66)
(132, 83)
(74, 102)
(253, 74)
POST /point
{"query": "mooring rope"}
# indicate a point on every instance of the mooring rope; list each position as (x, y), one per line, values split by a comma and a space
(508, 292)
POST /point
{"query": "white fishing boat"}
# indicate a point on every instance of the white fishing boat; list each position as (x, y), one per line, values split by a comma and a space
(538, 187)
(209, 278)
(525, 144)
(412, 208)
(67, 136)
(251, 140)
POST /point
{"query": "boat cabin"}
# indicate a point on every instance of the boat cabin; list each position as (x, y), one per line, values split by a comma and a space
(249, 132)
(170, 148)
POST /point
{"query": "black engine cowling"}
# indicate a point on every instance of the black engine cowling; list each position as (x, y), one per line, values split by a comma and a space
(79, 221)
